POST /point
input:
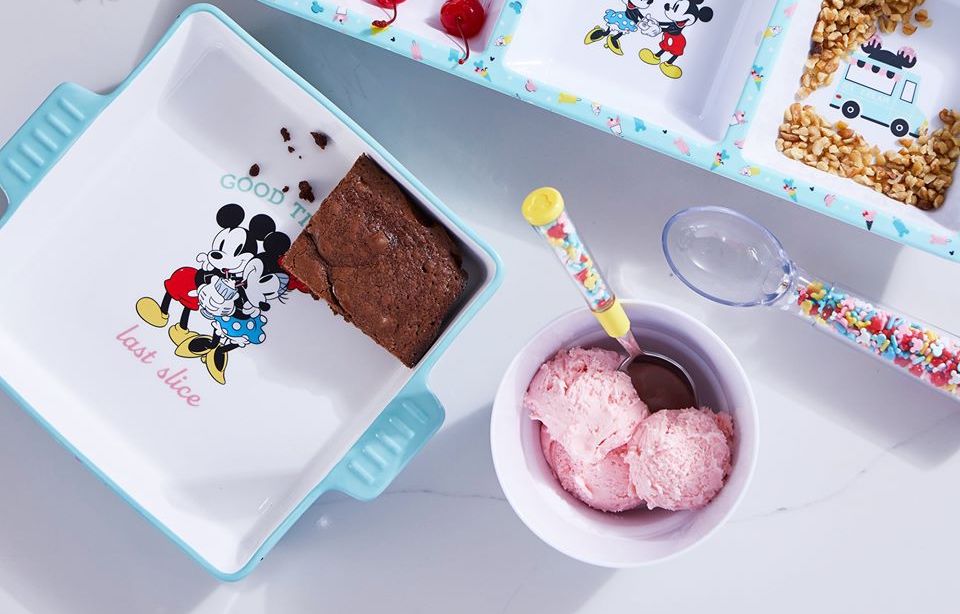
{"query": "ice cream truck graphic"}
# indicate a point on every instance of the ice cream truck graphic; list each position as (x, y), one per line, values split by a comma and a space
(878, 87)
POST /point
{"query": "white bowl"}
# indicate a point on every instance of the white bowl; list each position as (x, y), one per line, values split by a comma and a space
(639, 537)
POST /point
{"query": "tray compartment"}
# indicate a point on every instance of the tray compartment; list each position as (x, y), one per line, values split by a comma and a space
(937, 89)
(549, 47)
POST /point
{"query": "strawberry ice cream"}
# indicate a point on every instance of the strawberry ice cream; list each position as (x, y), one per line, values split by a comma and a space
(588, 406)
(606, 449)
(679, 458)
(604, 485)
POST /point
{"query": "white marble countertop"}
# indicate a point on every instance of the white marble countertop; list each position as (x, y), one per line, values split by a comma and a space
(842, 437)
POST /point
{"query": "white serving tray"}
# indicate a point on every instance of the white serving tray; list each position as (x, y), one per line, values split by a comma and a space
(740, 71)
(108, 196)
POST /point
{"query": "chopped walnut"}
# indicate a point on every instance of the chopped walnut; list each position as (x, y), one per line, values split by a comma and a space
(918, 174)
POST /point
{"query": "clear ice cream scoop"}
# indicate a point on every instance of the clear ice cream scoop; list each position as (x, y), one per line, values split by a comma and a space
(729, 258)
(661, 382)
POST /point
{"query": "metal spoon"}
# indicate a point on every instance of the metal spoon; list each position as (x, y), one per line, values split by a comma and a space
(661, 382)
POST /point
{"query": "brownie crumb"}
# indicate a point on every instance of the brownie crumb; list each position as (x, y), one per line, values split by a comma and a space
(306, 191)
(291, 149)
(285, 134)
(320, 139)
(285, 189)
(301, 157)
(254, 170)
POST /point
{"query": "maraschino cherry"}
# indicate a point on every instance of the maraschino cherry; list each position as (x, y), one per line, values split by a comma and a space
(463, 18)
(387, 4)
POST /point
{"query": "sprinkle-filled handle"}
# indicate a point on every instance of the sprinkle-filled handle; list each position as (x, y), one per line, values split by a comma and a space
(562, 236)
(544, 210)
(924, 351)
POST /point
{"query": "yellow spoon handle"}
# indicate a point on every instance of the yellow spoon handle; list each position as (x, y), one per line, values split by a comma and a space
(544, 210)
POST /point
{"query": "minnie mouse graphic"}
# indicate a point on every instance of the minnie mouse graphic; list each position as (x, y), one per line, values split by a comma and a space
(237, 316)
(618, 23)
(679, 15)
(236, 283)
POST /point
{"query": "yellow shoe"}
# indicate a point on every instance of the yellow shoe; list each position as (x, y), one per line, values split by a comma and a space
(649, 57)
(671, 71)
(594, 36)
(195, 346)
(613, 44)
(149, 310)
(216, 362)
(179, 334)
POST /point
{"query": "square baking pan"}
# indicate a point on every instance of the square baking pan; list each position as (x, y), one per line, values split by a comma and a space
(709, 88)
(115, 201)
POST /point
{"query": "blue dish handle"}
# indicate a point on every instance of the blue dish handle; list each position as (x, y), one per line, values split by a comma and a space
(401, 430)
(43, 139)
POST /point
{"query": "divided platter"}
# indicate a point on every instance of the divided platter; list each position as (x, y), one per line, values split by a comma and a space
(110, 194)
(707, 110)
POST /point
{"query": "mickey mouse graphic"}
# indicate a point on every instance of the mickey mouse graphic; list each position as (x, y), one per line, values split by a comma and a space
(618, 23)
(679, 15)
(235, 282)
(231, 249)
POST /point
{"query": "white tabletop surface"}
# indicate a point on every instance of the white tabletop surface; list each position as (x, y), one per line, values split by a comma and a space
(843, 438)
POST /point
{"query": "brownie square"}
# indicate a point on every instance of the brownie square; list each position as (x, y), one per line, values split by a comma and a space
(380, 262)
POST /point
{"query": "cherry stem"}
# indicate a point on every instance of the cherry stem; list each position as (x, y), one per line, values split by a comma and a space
(380, 23)
(466, 42)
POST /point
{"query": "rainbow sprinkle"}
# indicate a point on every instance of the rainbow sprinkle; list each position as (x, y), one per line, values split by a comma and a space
(917, 348)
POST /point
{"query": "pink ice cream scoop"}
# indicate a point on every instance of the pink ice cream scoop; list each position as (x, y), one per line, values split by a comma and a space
(604, 486)
(589, 407)
(679, 458)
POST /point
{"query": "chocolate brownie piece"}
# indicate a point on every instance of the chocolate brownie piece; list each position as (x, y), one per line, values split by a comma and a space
(379, 262)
